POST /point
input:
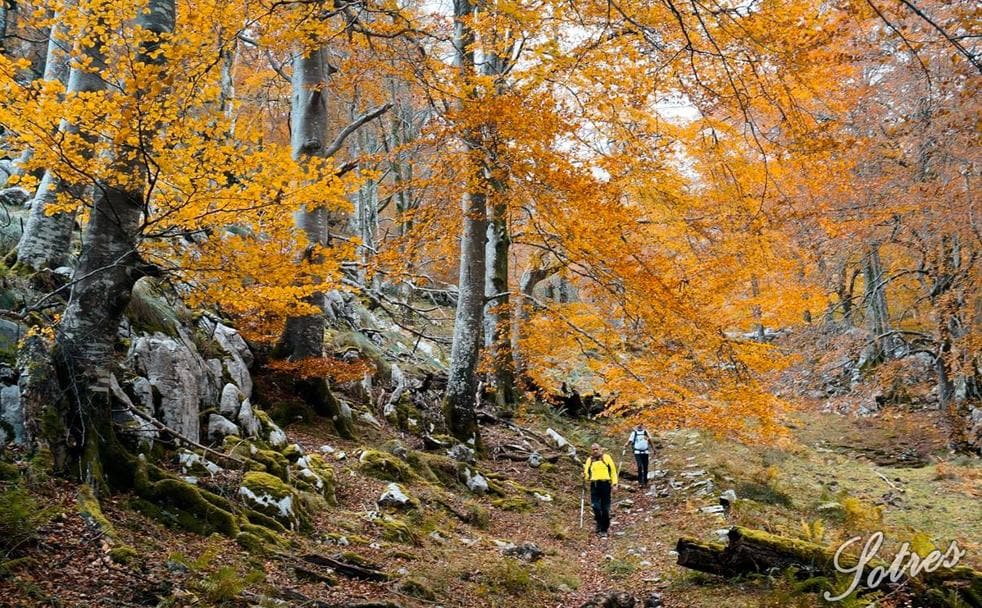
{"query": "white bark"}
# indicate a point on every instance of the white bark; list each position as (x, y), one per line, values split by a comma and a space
(110, 263)
(46, 240)
(461, 395)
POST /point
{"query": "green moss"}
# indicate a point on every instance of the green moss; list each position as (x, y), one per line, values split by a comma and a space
(265, 530)
(292, 453)
(20, 518)
(250, 542)
(270, 496)
(395, 530)
(447, 471)
(186, 497)
(325, 472)
(385, 466)
(148, 311)
(8, 472)
(91, 511)
(477, 515)
(274, 462)
(123, 555)
(513, 503)
(417, 588)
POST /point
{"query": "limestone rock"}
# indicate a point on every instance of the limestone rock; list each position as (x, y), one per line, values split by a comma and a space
(220, 427)
(231, 401)
(461, 453)
(529, 552)
(477, 483)
(178, 375)
(395, 496)
(248, 420)
(271, 496)
(11, 415)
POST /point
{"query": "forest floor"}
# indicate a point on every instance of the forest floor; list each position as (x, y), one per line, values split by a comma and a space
(836, 476)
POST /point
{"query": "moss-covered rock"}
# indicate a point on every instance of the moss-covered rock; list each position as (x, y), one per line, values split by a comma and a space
(385, 466)
(270, 496)
(124, 555)
(417, 588)
(292, 452)
(449, 472)
(398, 531)
(149, 311)
(251, 542)
(476, 515)
(513, 503)
(314, 470)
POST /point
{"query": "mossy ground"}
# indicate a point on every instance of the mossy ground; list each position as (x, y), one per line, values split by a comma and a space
(446, 548)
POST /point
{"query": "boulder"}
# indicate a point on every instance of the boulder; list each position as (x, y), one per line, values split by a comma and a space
(11, 415)
(231, 401)
(220, 427)
(12, 198)
(271, 496)
(178, 375)
(535, 460)
(529, 552)
(477, 483)
(461, 453)
(248, 420)
(395, 496)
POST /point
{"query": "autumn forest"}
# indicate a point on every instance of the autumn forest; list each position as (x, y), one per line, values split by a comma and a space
(264, 259)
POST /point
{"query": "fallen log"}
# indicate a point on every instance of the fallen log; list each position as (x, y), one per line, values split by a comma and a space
(758, 552)
(347, 569)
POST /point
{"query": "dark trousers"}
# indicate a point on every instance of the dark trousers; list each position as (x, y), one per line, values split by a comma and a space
(600, 500)
(642, 462)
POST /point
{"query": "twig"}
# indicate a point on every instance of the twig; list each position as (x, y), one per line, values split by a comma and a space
(160, 426)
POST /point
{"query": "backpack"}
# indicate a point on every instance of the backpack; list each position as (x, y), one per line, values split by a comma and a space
(639, 441)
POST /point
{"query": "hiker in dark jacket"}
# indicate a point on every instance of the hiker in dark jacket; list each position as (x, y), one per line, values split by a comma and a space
(641, 444)
(601, 472)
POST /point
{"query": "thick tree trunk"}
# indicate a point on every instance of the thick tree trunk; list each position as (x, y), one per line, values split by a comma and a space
(303, 337)
(46, 240)
(461, 396)
(497, 314)
(497, 310)
(877, 313)
(108, 268)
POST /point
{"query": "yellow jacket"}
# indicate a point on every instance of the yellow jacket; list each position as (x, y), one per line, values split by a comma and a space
(600, 470)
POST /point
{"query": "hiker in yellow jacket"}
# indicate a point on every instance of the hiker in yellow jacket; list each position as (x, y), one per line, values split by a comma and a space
(601, 472)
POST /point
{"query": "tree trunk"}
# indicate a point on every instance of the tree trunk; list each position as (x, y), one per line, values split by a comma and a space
(877, 313)
(47, 239)
(461, 396)
(303, 337)
(109, 266)
(497, 311)
(55, 69)
(366, 205)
